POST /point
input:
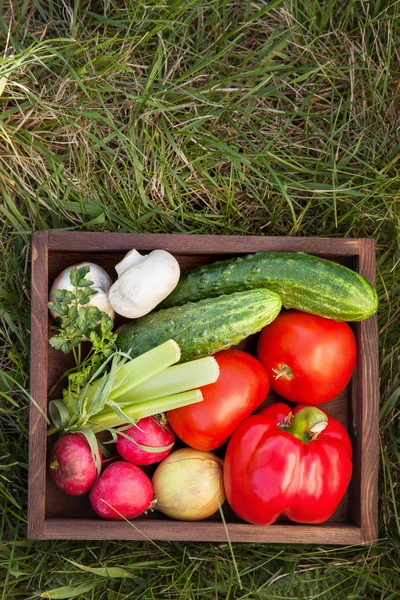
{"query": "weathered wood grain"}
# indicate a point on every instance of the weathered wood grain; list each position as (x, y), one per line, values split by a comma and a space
(72, 241)
(38, 387)
(205, 531)
(368, 405)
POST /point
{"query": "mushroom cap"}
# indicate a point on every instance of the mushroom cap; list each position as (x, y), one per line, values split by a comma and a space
(143, 282)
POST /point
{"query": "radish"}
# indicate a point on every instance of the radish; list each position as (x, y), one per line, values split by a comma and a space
(148, 433)
(123, 487)
(71, 464)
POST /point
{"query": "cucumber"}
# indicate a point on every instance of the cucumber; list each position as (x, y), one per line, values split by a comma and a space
(303, 281)
(204, 327)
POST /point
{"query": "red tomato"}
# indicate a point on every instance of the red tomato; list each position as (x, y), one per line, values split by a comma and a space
(241, 387)
(308, 359)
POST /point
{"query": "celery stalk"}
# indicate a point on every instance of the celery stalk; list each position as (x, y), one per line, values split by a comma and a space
(174, 380)
(138, 411)
(139, 369)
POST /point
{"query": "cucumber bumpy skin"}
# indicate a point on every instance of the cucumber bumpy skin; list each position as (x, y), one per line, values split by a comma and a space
(303, 281)
(202, 328)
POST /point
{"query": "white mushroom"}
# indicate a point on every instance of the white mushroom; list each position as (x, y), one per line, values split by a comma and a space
(143, 282)
(101, 283)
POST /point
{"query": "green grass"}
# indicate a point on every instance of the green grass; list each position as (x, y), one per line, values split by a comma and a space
(225, 117)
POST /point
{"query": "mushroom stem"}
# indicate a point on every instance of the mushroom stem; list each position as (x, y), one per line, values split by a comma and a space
(132, 258)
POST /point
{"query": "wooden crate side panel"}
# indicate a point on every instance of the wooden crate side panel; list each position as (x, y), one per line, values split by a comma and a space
(38, 387)
(198, 244)
(368, 405)
(202, 531)
(354, 419)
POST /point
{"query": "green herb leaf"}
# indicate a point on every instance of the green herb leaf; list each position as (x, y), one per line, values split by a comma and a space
(78, 321)
(83, 296)
(78, 275)
(59, 308)
(63, 296)
(60, 343)
(85, 283)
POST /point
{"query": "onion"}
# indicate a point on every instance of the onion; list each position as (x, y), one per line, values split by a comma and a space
(188, 485)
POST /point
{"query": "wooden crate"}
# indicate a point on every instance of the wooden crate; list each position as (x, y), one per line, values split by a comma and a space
(53, 515)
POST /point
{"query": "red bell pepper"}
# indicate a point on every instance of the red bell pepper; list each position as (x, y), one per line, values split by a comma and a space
(280, 462)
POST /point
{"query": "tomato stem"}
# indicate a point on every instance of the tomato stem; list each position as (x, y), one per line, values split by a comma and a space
(308, 423)
(283, 371)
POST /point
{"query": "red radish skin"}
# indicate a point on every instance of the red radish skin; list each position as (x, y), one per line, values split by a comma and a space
(124, 487)
(71, 464)
(147, 432)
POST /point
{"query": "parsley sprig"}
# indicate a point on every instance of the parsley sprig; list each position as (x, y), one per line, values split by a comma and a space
(77, 321)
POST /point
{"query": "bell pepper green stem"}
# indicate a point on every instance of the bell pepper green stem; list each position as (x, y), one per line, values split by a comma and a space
(308, 423)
